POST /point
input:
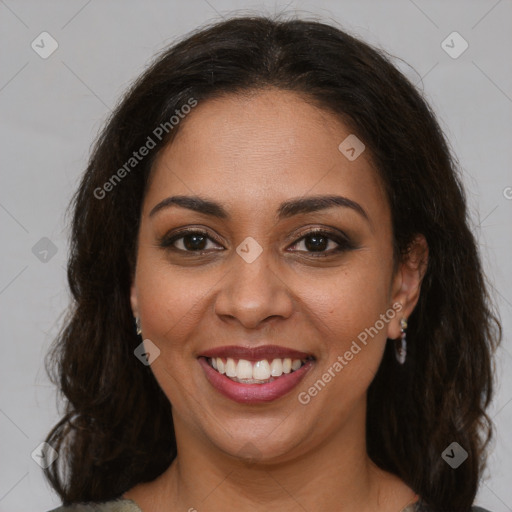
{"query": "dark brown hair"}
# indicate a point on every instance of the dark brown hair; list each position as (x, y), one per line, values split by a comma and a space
(117, 430)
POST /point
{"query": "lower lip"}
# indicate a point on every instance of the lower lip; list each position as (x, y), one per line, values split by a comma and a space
(254, 393)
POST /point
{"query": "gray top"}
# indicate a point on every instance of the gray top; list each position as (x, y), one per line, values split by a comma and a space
(125, 505)
(119, 505)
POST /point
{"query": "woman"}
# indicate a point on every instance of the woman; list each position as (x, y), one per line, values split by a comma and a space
(276, 206)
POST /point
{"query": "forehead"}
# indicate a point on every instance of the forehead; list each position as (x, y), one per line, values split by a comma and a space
(266, 145)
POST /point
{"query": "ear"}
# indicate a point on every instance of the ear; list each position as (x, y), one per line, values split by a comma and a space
(407, 281)
(134, 300)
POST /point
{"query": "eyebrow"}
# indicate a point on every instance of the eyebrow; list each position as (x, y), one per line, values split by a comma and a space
(286, 209)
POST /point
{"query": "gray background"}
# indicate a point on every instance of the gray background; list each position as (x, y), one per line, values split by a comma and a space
(52, 109)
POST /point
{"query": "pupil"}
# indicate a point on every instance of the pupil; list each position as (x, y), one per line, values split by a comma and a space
(317, 242)
(194, 242)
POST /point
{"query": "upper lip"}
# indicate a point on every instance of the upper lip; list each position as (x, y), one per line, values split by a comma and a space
(255, 353)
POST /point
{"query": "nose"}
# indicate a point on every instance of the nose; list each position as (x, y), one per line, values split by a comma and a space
(253, 293)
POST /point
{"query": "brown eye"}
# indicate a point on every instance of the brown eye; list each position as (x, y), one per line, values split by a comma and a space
(194, 242)
(323, 243)
(316, 242)
(188, 241)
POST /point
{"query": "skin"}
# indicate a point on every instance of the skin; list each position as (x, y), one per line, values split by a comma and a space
(250, 153)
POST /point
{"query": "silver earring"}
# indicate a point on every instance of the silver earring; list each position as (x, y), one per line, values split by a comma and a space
(401, 343)
(137, 326)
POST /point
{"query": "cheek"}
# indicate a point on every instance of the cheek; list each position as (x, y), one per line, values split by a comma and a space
(346, 302)
(346, 309)
(170, 310)
(344, 306)
(170, 301)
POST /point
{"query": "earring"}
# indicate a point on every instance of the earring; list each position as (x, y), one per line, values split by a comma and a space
(401, 343)
(137, 326)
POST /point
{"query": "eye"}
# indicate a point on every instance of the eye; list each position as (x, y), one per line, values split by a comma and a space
(317, 243)
(190, 240)
(323, 243)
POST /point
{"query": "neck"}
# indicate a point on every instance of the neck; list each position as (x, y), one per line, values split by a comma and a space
(334, 475)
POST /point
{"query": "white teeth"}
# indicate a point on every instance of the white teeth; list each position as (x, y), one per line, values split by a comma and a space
(296, 364)
(261, 370)
(249, 372)
(243, 370)
(276, 368)
(230, 368)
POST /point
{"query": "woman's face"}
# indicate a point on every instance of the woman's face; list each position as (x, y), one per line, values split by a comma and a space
(261, 276)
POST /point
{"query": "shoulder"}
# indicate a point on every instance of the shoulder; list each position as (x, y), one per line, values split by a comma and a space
(119, 505)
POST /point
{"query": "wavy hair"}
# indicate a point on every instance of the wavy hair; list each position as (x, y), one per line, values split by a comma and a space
(117, 429)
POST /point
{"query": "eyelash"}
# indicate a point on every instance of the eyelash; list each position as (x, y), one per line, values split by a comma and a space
(344, 244)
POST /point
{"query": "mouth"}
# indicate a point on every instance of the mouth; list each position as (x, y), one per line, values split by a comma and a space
(258, 372)
(255, 375)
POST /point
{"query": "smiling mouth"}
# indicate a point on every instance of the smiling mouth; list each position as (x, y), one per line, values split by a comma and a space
(256, 372)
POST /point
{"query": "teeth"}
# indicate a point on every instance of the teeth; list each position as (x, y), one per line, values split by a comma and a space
(243, 370)
(276, 368)
(248, 372)
(230, 368)
(261, 370)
